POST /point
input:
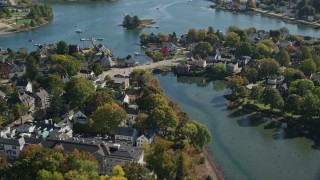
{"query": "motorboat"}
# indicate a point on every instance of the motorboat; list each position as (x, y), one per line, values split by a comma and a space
(79, 31)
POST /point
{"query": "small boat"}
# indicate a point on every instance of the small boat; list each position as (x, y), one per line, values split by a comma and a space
(30, 40)
(125, 14)
(79, 31)
(100, 39)
(83, 39)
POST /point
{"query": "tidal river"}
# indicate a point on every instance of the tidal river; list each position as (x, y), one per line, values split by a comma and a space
(243, 149)
(101, 20)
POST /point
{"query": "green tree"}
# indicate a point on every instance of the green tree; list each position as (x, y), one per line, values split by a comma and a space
(107, 118)
(54, 84)
(157, 56)
(163, 117)
(136, 22)
(65, 64)
(217, 71)
(308, 66)
(310, 107)
(180, 175)
(78, 90)
(202, 33)
(97, 69)
(144, 36)
(62, 48)
(203, 48)
(152, 101)
(203, 135)
(117, 173)
(301, 87)
(45, 175)
(293, 103)
(135, 170)
(211, 39)
(32, 68)
(99, 98)
(272, 97)
(251, 74)
(305, 53)
(291, 74)
(19, 110)
(232, 39)
(256, 92)
(283, 58)
(235, 83)
(56, 104)
(244, 49)
(141, 76)
(268, 68)
(193, 33)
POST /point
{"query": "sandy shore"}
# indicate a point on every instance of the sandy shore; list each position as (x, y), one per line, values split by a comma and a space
(212, 166)
(5, 28)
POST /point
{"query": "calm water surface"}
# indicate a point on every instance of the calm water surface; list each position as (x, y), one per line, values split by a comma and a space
(243, 149)
(101, 20)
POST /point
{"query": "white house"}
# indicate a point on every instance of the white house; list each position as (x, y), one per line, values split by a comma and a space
(11, 147)
(126, 136)
(24, 86)
(145, 139)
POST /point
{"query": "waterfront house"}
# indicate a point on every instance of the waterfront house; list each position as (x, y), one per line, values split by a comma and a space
(198, 62)
(121, 62)
(232, 68)
(124, 82)
(24, 86)
(23, 50)
(126, 136)
(132, 61)
(183, 68)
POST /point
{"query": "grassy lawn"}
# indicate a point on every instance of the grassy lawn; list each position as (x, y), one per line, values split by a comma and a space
(24, 20)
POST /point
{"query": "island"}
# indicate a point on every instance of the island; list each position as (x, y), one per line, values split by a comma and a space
(136, 23)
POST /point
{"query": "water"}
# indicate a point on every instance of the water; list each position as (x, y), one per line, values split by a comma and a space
(101, 20)
(245, 150)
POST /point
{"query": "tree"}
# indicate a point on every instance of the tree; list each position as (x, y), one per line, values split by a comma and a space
(157, 56)
(144, 36)
(203, 135)
(308, 67)
(135, 170)
(256, 92)
(217, 71)
(32, 68)
(268, 68)
(97, 69)
(306, 11)
(193, 33)
(63, 64)
(203, 48)
(305, 53)
(117, 173)
(310, 107)
(56, 103)
(301, 87)
(211, 39)
(273, 97)
(160, 158)
(180, 175)
(136, 21)
(45, 175)
(19, 110)
(293, 103)
(232, 39)
(316, 60)
(99, 98)
(251, 74)
(210, 30)
(244, 49)
(141, 76)
(235, 83)
(62, 48)
(107, 118)
(152, 101)
(54, 84)
(78, 90)
(202, 33)
(163, 118)
(263, 50)
(291, 74)
(283, 58)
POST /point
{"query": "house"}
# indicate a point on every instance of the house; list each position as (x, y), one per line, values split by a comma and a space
(80, 118)
(232, 68)
(100, 84)
(283, 88)
(121, 81)
(315, 77)
(250, 86)
(133, 94)
(11, 147)
(131, 116)
(123, 99)
(126, 136)
(146, 138)
(28, 101)
(164, 51)
(131, 61)
(107, 62)
(198, 62)
(171, 47)
(4, 70)
(17, 69)
(42, 99)
(121, 62)
(3, 3)
(24, 86)
(243, 61)
(87, 74)
(183, 68)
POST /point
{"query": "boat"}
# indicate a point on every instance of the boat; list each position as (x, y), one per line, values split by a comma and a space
(83, 39)
(79, 31)
(30, 40)
(100, 39)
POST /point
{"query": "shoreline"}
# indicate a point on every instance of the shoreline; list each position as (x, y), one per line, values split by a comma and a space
(217, 172)
(269, 14)
(6, 32)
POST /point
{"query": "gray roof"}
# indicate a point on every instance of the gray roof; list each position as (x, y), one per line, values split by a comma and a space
(14, 142)
(125, 131)
(127, 152)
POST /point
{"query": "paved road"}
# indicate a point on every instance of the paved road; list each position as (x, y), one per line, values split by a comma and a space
(169, 62)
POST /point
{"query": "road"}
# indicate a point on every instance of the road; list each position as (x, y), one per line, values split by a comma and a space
(169, 62)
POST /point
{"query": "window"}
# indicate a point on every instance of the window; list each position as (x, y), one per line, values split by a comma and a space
(13, 152)
(13, 147)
